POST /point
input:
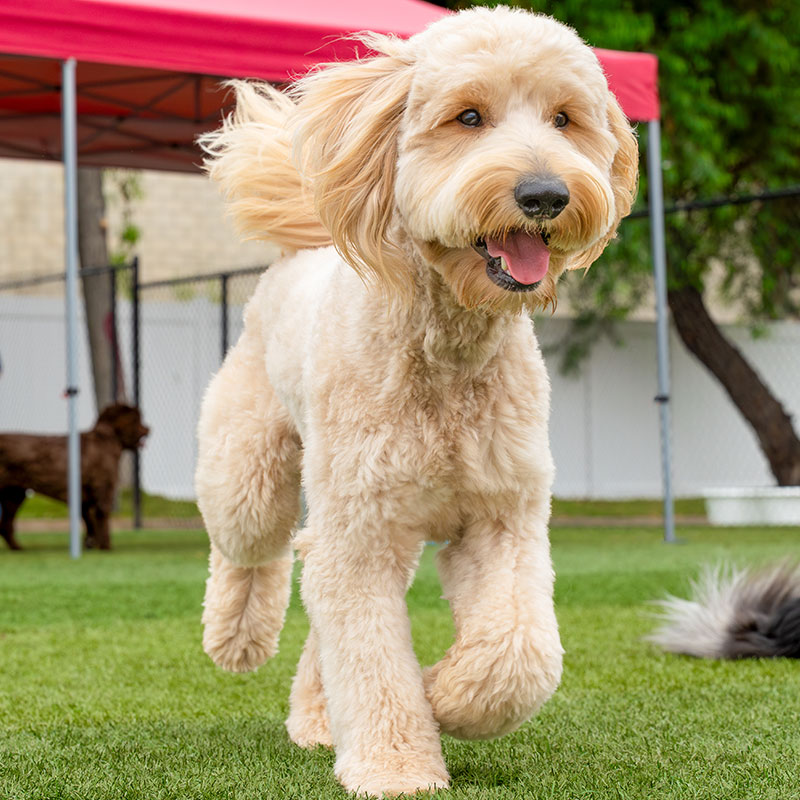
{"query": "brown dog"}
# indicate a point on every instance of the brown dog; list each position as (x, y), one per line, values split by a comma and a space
(29, 461)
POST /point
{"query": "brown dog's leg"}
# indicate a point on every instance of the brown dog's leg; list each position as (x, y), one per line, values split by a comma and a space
(102, 527)
(11, 498)
(98, 532)
(90, 541)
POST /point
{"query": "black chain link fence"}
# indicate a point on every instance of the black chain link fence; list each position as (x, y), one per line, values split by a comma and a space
(187, 325)
(166, 338)
(169, 337)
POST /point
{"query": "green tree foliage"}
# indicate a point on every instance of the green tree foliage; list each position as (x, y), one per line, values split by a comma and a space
(729, 80)
(730, 90)
(123, 188)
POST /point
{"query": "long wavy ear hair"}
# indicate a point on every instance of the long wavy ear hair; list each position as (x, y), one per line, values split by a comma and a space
(250, 157)
(624, 180)
(345, 143)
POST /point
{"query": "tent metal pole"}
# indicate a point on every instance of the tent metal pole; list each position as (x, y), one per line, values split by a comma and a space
(70, 158)
(659, 248)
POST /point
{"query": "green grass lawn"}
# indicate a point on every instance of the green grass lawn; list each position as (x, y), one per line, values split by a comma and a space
(564, 509)
(106, 693)
(154, 506)
(37, 506)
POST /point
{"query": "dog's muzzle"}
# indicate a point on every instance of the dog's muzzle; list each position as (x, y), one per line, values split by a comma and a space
(500, 272)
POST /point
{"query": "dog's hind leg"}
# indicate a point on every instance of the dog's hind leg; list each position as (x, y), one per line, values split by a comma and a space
(248, 491)
(11, 498)
(308, 723)
(98, 526)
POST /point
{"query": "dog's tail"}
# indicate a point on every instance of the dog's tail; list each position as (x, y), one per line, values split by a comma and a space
(251, 158)
(735, 614)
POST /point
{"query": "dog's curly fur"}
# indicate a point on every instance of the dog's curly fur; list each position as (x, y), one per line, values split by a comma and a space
(397, 372)
(31, 461)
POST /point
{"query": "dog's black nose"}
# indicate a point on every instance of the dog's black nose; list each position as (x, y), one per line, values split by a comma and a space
(544, 197)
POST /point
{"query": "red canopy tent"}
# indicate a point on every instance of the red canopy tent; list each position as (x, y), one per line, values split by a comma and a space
(148, 71)
(132, 82)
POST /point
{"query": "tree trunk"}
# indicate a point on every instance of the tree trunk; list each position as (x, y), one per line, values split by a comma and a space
(771, 424)
(93, 251)
(96, 288)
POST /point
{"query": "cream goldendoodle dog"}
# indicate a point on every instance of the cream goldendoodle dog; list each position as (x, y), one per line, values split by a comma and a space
(427, 199)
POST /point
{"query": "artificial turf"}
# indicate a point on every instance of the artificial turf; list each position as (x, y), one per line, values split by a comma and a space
(106, 693)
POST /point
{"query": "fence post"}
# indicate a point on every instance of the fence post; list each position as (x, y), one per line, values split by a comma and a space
(114, 352)
(224, 312)
(137, 482)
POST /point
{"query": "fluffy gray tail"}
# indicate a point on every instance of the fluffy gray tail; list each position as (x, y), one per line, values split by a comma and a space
(735, 614)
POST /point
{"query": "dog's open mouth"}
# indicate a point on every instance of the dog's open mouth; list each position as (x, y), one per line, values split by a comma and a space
(518, 262)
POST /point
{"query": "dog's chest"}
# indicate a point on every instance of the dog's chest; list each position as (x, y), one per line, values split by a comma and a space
(468, 438)
(431, 445)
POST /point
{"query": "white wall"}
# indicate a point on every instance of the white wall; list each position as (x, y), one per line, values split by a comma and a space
(180, 216)
(179, 352)
(604, 422)
(604, 425)
(33, 359)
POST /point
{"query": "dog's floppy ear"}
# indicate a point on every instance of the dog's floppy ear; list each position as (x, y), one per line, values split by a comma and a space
(624, 180)
(110, 414)
(625, 169)
(348, 118)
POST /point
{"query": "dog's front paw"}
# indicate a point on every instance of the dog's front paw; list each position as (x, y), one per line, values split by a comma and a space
(236, 651)
(459, 707)
(484, 692)
(398, 776)
(243, 612)
(12, 543)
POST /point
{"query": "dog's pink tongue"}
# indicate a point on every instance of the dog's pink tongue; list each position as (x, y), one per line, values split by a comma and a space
(526, 255)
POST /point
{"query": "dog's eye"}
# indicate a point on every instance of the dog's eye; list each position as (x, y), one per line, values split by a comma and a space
(471, 118)
(561, 120)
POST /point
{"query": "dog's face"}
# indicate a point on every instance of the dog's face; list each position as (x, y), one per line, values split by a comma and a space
(126, 422)
(490, 141)
(506, 156)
